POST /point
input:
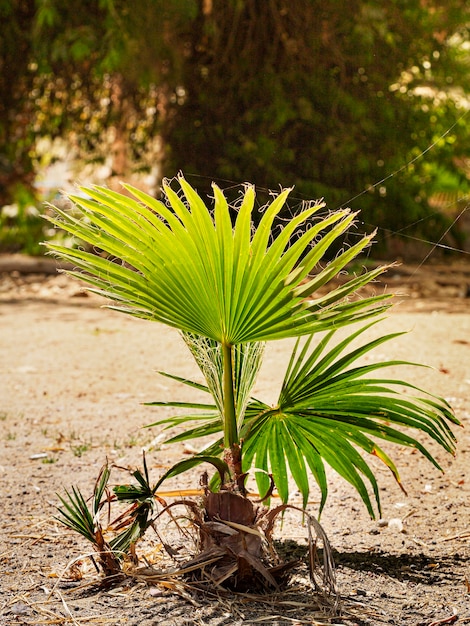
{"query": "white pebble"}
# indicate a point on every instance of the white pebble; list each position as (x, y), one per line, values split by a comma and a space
(396, 524)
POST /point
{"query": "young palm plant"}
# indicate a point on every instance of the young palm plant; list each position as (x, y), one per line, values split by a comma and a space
(230, 287)
(116, 539)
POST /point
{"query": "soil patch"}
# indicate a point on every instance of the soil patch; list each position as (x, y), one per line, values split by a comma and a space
(73, 377)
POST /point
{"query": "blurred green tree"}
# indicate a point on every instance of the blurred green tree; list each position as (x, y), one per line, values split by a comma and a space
(16, 81)
(331, 97)
(81, 70)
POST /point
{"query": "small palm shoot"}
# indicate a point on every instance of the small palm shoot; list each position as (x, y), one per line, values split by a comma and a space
(78, 516)
(115, 540)
(229, 288)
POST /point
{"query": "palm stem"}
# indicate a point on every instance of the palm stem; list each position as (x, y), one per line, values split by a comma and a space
(230, 414)
(232, 449)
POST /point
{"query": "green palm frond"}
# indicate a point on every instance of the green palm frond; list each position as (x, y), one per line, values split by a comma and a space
(134, 521)
(329, 410)
(142, 492)
(188, 267)
(77, 515)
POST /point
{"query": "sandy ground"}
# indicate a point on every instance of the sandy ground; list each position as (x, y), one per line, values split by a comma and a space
(73, 377)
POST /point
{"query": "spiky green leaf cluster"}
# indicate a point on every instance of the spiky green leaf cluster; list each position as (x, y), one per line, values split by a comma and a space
(75, 512)
(85, 519)
(328, 411)
(187, 266)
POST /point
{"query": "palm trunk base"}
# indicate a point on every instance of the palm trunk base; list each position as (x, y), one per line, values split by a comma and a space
(234, 551)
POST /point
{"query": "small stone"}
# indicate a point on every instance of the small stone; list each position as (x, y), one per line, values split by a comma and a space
(396, 525)
(19, 609)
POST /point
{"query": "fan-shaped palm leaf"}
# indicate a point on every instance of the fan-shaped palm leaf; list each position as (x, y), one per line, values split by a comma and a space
(329, 409)
(189, 268)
